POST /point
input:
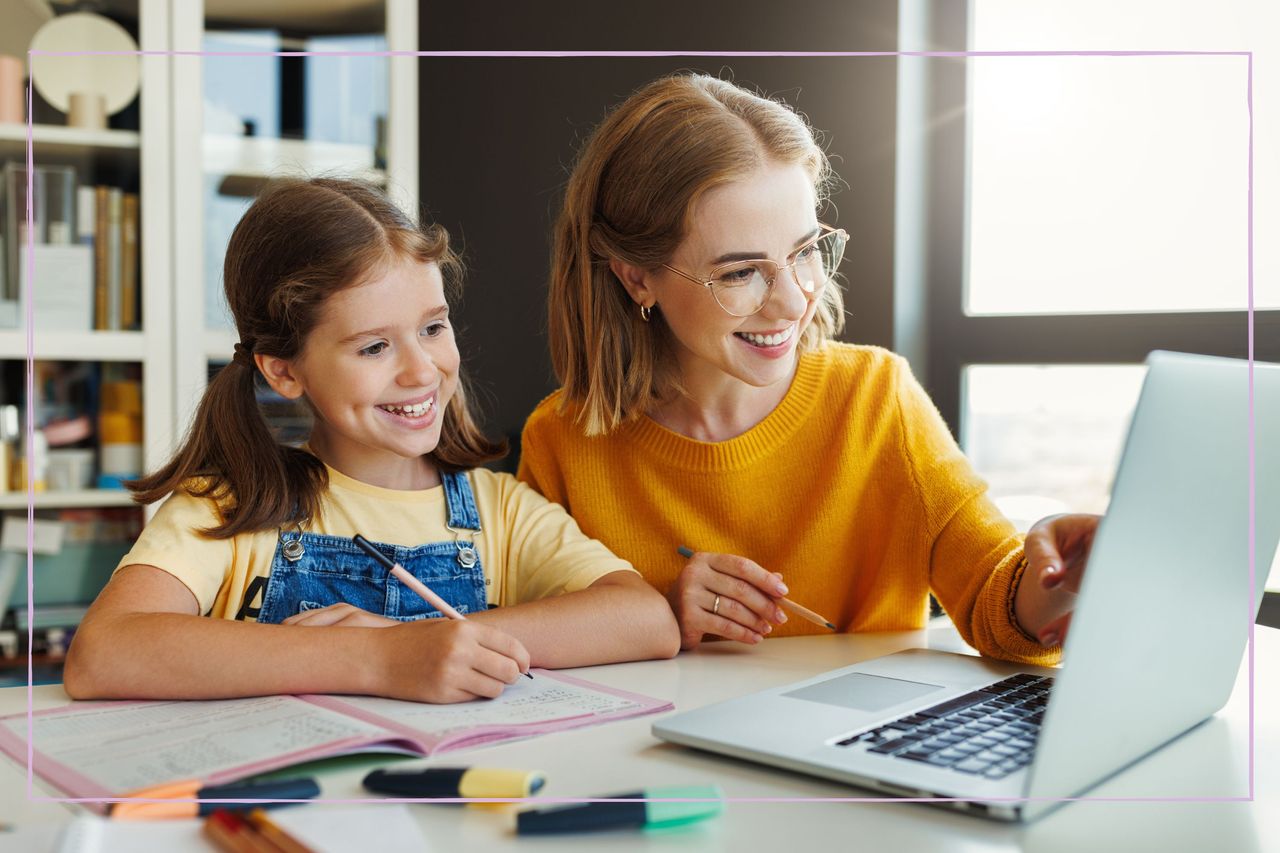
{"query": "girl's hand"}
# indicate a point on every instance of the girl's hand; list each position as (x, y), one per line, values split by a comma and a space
(346, 615)
(726, 595)
(1057, 551)
(447, 660)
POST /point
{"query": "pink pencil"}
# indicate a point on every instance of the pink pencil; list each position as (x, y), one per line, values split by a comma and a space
(424, 592)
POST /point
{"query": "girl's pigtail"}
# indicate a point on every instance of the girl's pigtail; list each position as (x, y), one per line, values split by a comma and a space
(230, 455)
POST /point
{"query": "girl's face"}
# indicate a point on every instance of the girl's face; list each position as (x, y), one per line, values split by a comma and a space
(378, 371)
(767, 214)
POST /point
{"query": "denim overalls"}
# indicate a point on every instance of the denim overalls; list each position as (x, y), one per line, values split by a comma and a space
(312, 570)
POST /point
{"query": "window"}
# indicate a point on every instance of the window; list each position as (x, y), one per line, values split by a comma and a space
(1047, 437)
(1079, 212)
(1107, 184)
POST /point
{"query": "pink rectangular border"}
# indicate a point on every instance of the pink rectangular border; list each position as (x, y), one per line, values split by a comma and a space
(1250, 651)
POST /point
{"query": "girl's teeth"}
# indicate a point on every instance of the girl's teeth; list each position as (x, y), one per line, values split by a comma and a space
(415, 411)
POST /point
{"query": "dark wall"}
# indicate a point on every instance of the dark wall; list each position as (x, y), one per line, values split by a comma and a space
(498, 137)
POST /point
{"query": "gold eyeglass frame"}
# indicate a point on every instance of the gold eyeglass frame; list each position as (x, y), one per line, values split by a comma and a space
(710, 283)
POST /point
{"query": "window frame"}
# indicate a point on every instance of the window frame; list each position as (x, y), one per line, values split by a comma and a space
(956, 340)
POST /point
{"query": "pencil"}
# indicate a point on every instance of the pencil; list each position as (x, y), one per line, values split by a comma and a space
(424, 592)
(229, 832)
(797, 609)
(272, 832)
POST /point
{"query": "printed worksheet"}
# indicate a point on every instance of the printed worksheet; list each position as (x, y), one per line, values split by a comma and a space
(124, 746)
(528, 707)
(114, 749)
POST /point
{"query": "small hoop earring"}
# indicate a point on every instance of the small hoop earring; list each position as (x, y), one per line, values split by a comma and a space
(644, 313)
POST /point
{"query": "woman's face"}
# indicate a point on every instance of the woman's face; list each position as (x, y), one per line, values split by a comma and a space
(769, 213)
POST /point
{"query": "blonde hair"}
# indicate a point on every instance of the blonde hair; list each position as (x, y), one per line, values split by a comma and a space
(298, 244)
(629, 197)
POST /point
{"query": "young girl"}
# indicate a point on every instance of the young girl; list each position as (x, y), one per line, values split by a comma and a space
(693, 306)
(339, 300)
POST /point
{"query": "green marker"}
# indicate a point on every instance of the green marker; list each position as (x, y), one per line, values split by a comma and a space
(693, 803)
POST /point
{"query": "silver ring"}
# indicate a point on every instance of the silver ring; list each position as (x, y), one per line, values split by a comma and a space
(715, 608)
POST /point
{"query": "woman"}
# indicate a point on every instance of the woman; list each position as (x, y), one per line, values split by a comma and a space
(705, 401)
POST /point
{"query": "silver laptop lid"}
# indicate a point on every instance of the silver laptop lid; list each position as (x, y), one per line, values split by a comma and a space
(1164, 613)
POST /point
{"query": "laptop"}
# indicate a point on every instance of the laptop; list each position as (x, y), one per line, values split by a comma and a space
(1154, 647)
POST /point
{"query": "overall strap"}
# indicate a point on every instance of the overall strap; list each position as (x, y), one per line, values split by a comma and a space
(462, 503)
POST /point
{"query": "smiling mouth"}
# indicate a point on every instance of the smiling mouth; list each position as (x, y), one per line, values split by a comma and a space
(414, 411)
(773, 340)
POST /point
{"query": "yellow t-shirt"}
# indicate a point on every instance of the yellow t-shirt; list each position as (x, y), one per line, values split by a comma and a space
(852, 488)
(529, 547)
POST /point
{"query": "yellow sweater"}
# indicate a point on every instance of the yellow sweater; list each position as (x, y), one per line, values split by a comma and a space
(852, 488)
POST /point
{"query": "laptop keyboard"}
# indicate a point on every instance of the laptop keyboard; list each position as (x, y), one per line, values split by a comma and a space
(990, 732)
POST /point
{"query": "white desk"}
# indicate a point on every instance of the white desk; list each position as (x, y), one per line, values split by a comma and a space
(1209, 761)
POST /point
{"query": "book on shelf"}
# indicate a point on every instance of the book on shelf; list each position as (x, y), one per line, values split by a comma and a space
(129, 283)
(72, 227)
(89, 413)
(62, 266)
(61, 289)
(86, 214)
(113, 749)
(117, 220)
(100, 256)
(115, 203)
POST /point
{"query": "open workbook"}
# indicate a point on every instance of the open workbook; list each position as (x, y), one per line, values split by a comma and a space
(110, 749)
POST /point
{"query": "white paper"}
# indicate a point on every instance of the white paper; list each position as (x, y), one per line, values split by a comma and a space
(92, 834)
(384, 827)
(525, 702)
(129, 746)
(337, 829)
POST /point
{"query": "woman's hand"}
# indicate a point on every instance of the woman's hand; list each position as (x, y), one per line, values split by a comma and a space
(447, 660)
(346, 615)
(1057, 551)
(726, 595)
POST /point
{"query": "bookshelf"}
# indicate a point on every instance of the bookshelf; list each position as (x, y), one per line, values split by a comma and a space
(244, 156)
(125, 158)
(70, 498)
(180, 338)
(238, 164)
(173, 158)
(75, 346)
(118, 146)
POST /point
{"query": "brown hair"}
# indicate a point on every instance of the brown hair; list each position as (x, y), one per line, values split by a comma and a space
(299, 243)
(630, 197)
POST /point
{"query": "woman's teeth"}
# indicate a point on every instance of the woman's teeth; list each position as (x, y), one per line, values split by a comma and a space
(767, 340)
(417, 410)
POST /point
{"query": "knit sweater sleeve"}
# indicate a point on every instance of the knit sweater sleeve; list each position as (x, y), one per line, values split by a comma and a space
(975, 554)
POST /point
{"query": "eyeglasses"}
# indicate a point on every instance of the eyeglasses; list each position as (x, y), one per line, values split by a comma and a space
(742, 288)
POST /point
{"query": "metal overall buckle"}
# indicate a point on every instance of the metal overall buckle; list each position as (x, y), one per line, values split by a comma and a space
(292, 548)
(467, 556)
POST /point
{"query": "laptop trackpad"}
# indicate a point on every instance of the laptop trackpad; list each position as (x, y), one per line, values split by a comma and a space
(863, 692)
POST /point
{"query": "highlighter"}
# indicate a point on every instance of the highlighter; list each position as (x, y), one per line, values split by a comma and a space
(597, 816)
(450, 782)
(184, 796)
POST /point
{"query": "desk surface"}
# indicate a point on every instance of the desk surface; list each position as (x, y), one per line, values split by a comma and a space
(1211, 760)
